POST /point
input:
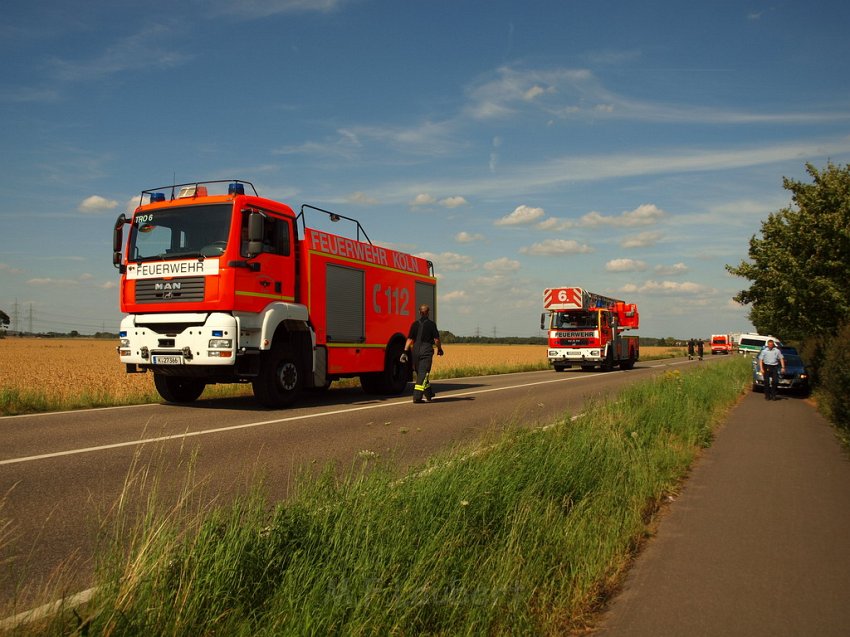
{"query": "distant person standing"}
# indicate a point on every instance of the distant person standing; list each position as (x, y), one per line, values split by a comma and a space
(422, 338)
(700, 348)
(770, 359)
(691, 346)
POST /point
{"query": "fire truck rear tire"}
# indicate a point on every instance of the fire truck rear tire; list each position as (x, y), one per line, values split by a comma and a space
(627, 364)
(394, 377)
(177, 389)
(279, 381)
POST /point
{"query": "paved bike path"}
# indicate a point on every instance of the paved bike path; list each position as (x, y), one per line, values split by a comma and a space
(757, 543)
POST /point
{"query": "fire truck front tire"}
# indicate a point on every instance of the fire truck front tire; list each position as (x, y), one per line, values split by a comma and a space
(177, 389)
(280, 379)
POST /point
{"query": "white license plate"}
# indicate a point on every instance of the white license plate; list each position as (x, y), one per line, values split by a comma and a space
(167, 359)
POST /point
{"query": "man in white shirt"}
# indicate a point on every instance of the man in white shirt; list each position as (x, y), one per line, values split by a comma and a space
(770, 359)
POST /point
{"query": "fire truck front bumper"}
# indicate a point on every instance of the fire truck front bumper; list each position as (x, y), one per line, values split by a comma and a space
(577, 355)
(154, 340)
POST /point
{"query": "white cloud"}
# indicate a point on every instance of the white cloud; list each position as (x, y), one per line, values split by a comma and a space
(671, 270)
(554, 247)
(446, 261)
(361, 198)
(466, 237)
(555, 223)
(456, 295)
(422, 199)
(567, 93)
(521, 215)
(5, 267)
(49, 281)
(643, 215)
(669, 287)
(453, 202)
(533, 92)
(252, 9)
(148, 50)
(641, 240)
(96, 203)
(625, 265)
(502, 265)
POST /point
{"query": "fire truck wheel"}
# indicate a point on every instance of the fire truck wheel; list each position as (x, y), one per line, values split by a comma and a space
(627, 364)
(279, 381)
(394, 377)
(176, 389)
(397, 374)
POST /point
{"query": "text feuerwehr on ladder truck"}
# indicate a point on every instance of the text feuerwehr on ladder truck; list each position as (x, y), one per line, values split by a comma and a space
(235, 288)
(586, 329)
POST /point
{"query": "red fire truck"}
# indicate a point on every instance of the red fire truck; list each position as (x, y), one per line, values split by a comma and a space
(586, 329)
(721, 344)
(235, 288)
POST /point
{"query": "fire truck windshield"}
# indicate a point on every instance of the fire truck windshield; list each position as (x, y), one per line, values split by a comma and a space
(575, 320)
(178, 233)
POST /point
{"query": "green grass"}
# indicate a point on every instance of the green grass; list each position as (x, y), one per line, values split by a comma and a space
(526, 533)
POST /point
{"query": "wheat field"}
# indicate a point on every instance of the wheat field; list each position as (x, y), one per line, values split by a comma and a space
(46, 374)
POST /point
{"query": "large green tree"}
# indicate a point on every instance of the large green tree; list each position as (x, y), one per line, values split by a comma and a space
(800, 266)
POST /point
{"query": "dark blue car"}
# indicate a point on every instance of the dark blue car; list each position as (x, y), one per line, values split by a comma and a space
(795, 378)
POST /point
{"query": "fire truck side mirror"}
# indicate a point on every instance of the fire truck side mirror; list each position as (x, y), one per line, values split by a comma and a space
(255, 232)
(543, 321)
(118, 241)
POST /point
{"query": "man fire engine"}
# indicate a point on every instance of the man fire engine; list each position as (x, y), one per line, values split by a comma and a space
(586, 329)
(231, 288)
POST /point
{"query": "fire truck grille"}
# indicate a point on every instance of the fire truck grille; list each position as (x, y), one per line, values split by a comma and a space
(181, 290)
(565, 342)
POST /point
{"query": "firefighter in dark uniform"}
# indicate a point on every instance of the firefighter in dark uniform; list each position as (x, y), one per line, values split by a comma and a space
(422, 338)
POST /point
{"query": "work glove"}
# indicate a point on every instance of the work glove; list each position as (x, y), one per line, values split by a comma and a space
(440, 351)
(403, 357)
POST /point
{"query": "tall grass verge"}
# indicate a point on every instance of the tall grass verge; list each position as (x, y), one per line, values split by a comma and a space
(526, 534)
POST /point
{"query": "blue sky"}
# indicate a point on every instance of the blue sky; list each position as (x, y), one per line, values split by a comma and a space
(629, 148)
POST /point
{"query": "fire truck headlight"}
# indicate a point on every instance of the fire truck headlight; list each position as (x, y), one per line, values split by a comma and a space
(595, 352)
(221, 343)
(125, 342)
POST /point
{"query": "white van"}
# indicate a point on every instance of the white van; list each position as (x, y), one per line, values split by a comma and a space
(753, 343)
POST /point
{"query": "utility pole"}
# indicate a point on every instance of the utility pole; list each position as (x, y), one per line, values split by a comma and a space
(15, 326)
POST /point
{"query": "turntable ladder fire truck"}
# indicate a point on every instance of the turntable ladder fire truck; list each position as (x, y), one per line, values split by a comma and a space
(236, 288)
(586, 329)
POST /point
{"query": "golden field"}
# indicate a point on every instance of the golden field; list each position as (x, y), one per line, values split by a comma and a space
(72, 372)
(50, 374)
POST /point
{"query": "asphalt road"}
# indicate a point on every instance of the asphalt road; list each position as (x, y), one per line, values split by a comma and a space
(62, 473)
